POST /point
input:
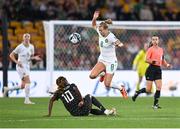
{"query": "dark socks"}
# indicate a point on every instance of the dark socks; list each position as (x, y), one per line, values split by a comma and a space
(143, 90)
(97, 112)
(98, 104)
(156, 97)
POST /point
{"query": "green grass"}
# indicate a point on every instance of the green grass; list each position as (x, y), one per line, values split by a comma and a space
(139, 114)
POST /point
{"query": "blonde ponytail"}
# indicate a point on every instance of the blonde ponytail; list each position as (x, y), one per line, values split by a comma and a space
(105, 23)
(108, 21)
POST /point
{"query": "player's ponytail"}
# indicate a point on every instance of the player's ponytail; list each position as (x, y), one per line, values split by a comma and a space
(105, 23)
(108, 21)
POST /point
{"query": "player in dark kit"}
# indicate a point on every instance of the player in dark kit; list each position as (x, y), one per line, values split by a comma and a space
(73, 101)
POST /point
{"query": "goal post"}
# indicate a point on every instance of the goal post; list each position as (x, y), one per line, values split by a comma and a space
(63, 56)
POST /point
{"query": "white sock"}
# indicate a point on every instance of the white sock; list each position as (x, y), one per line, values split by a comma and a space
(27, 91)
(106, 112)
(116, 85)
(14, 88)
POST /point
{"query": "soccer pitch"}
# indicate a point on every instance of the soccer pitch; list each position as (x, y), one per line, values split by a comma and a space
(139, 114)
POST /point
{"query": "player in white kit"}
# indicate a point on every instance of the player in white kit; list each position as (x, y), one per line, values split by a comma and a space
(107, 61)
(25, 52)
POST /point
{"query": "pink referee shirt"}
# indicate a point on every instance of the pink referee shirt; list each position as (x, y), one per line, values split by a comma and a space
(155, 54)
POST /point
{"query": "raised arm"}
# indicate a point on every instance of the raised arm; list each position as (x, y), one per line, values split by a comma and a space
(95, 16)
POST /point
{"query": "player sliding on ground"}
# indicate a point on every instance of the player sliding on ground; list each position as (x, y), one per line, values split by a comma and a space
(25, 52)
(107, 62)
(73, 101)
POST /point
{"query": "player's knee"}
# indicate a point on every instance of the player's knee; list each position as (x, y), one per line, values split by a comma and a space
(92, 76)
(89, 95)
(22, 86)
(27, 81)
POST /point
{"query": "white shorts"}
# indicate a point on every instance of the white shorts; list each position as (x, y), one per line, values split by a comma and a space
(23, 71)
(111, 67)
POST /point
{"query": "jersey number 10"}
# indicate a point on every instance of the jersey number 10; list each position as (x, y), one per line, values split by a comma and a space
(68, 96)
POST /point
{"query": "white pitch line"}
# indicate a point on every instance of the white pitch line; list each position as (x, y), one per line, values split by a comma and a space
(89, 119)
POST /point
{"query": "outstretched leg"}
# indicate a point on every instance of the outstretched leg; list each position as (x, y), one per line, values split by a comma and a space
(143, 90)
(102, 110)
(98, 68)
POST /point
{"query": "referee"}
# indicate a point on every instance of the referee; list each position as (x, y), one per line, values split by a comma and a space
(155, 57)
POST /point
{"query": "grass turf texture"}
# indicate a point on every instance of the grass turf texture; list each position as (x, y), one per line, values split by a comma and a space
(139, 114)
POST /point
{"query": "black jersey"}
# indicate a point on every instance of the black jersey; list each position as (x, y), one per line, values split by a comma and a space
(70, 98)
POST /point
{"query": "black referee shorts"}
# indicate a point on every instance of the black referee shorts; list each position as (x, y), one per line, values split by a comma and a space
(153, 73)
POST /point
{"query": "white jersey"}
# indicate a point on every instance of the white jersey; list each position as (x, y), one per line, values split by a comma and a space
(107, 47)
(24, 53)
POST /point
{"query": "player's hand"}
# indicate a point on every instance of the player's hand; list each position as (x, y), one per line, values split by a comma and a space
(96, 15)
(154, 62)
(119, 44)
(37, 58)
(81, 103)
(169, 66)
(19, 64)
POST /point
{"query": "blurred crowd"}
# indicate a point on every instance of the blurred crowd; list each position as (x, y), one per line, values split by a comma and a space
(146, 10)
(84, 56)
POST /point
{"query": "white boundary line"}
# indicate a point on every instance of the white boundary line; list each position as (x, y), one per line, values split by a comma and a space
(89, 119)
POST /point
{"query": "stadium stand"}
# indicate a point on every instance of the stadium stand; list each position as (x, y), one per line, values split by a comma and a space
(27, 15)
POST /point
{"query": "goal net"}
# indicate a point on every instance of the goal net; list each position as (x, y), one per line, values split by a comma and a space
(63, 56)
